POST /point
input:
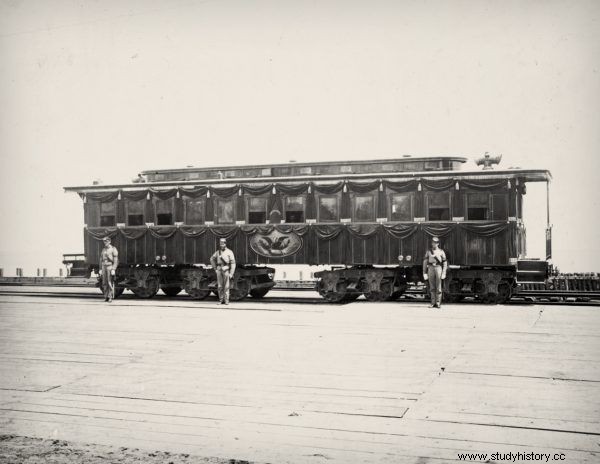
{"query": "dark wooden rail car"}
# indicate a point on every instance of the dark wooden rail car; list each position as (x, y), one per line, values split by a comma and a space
(373, 221)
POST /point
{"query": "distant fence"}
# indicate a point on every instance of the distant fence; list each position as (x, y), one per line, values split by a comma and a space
(49, 281)
(40, 272)
(573, 282)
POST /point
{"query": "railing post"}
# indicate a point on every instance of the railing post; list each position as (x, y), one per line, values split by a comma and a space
(60, 272)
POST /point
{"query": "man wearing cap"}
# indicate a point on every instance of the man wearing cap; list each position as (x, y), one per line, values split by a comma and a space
(223, 262)
(434, 270)
(109, 260)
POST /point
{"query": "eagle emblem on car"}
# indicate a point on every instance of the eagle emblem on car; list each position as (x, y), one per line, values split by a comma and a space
(488, 161)
(276, 244)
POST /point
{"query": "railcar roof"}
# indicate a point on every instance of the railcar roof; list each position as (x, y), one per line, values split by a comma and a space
(525, 175)
(405, 159)
(320, 168)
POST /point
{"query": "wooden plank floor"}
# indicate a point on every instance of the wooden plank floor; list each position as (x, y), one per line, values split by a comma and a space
(282, 382)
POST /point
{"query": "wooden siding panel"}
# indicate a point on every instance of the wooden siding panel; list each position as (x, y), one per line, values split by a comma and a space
(357, 251)
(475, 249)
(486, 250)
(393, 247)
(178, 217)
(458, 204)
(121, 218)
(419, 210)
(462, 248)
(499, 255)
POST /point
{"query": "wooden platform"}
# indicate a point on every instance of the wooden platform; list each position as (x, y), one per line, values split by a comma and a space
(284, 382)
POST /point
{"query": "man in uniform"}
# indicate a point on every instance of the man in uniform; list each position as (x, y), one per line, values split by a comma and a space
(434, 270)
(109, 260)
(223, 262)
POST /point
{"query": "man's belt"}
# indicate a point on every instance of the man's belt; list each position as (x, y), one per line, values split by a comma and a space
(108, 263)
(223, 268)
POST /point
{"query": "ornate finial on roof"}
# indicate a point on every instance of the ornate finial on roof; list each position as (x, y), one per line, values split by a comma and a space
(488, 161)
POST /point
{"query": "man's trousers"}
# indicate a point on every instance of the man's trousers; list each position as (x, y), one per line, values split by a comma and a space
(223, 284)
(435, 284)
(108, 285)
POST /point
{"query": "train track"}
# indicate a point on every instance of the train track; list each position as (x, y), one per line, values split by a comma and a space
(306, 296)
(554, 296)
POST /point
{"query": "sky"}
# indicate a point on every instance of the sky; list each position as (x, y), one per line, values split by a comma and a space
(94, 89)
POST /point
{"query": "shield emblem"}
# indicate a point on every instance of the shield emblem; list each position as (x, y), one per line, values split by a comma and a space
(276, 244)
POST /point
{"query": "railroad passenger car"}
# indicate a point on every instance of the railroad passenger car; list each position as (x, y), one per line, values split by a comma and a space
(370, 221)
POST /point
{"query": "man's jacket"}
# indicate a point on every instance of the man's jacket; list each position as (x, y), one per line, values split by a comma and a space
(224, 259)
(109, 256)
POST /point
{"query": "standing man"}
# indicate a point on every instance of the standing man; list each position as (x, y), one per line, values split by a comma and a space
(109, 260)
(434, 270)
(223, 262)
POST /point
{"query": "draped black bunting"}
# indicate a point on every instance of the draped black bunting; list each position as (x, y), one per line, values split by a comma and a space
(439, 230)
(100, 232)
(163, 231)
(193, 231)
(265, 229)
(363, 187)
(226, 232)
(299, 229)
(321, 231)
(251, 229)
(133, 233)
(225, 191)
(334, 243)
(328, 188)
(257, 189)
(483, 184)
(485, 230)
(163, 194)
(327, 232)
(437, 185)
(363, 230)
(193, 192)
(400, 231)
(400, 186)
(291, 189)
(134, 195)
(102, 197)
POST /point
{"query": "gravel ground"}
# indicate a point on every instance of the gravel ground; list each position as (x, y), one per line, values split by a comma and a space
(15, 450)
